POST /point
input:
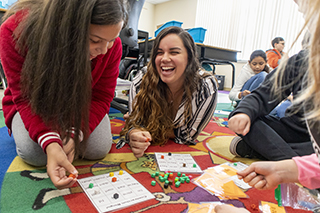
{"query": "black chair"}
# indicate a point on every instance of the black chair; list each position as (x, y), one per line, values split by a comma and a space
(130, 54)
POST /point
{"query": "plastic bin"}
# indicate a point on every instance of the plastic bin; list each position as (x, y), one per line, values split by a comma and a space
(168, 24)
(220, 79)
(198, 34)
(4, 4)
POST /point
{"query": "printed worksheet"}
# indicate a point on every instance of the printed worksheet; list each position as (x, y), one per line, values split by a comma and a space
(177, 163)
(114, 190)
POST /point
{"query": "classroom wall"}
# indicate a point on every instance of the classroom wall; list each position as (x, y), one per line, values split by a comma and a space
(156, 15)
(226, 70)
(146, 20)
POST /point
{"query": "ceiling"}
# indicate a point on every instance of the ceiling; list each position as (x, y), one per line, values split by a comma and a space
(156, 1)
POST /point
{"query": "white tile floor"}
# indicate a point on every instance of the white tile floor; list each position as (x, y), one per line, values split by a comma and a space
(223, 97)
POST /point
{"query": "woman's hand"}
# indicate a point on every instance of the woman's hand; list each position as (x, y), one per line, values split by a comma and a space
(229, 209)
(126, 116)
(139, 141)
(58, 164)
(268, 175)
(240, 123)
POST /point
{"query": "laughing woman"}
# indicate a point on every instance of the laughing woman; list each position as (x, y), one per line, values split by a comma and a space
(173, 98)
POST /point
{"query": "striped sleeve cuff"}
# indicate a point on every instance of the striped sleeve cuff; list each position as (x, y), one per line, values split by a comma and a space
(45, 139)
(72, 131)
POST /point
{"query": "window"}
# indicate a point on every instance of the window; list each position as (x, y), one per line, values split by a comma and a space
(248, 25)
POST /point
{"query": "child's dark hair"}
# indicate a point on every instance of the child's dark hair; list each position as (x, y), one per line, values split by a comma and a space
(262, 54)
(276, 40)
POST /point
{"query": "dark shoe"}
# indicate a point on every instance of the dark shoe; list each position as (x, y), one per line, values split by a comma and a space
(239, 148)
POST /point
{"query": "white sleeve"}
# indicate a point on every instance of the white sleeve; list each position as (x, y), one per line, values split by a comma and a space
(244, 76)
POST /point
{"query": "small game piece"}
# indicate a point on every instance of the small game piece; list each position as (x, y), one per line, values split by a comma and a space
(91, 185)
(235, 164)
(116, 196)
(161, 179)
(72, 175)
(153, 175)
(170, 182)
(162, 157)
(114, 179)
(183, 165)
(182, 180)
(171, 175)
(169, 154)
(166, 181)
(177, 184)
(194, 165)
(121, 172)
(176, 179)
(183, 175)
(166, 185)
(162, 175)
(153, 183)
(157, 173)
(179, 174)
(187, 180)
(111, 174)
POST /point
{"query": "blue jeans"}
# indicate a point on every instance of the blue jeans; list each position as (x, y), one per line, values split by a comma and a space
(254, 81)
(280, 110)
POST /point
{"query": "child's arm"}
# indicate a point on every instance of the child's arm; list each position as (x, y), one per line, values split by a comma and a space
(309, 171)
(268, 175)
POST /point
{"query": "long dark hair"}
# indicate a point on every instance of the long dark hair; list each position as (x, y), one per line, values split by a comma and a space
(56, 75)
(262, 54)
(152, 109)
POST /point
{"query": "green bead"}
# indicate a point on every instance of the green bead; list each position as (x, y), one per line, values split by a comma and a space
(153, 183)
(91, 185)
(153, 175)
(177, 184)
(179, 174)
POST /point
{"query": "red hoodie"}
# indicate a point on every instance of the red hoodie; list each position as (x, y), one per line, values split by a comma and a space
(105, 70)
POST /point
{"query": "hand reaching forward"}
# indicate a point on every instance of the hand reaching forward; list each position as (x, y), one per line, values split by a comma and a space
(240, 124)
(268, 175)
(139, 141)
(58, 164)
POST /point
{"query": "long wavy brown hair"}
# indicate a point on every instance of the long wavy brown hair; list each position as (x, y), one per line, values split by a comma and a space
(56, 75)
(310, 95)
(152, 108)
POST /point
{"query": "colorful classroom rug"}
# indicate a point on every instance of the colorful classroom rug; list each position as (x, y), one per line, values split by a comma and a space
(28, 189)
